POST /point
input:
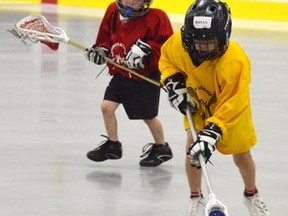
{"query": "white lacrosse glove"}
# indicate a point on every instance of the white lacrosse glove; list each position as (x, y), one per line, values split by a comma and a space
(134, 58)
(96, 54)
(205, 144)
(177, 93)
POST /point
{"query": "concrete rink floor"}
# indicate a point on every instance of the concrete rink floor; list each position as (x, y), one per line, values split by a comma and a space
(50, 117)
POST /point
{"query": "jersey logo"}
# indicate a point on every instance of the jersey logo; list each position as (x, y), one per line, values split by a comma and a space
(118, 52)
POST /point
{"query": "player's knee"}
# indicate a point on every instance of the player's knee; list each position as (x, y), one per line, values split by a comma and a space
(106, 108)
(243, 160)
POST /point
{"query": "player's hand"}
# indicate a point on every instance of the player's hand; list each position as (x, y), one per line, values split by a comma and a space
(134, 58)
(177, 93)
(96, 54)
(205, 144)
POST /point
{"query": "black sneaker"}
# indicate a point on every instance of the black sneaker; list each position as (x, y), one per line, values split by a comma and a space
(155, 154)
(106, 150)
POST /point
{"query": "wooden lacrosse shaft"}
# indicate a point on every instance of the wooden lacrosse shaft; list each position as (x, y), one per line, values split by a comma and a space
(110, 61)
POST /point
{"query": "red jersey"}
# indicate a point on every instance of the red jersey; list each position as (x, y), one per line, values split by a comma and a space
(118, 36)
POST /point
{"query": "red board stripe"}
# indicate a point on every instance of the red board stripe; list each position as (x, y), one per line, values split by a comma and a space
(49, 1)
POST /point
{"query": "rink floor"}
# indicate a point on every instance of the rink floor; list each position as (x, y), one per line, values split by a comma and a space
(50, 117)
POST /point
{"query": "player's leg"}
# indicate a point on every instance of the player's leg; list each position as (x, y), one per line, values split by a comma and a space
(197, 203)
(108, 109)
(158, 152)
(156, 130)
(252, 199)
(140, 100)
(246, 165)
(111, 148)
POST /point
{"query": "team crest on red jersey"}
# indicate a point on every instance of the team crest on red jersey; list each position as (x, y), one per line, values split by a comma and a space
(118, 52)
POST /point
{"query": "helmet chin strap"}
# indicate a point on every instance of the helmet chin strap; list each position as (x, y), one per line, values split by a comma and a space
(128, 11)
(196, 60)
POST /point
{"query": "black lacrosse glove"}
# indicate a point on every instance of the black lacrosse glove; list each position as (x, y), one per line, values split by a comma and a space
(205, 144)
(177, 93)
(96, 54)
(134, 58)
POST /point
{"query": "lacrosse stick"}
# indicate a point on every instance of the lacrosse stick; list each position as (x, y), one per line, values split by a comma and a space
(35, 28)
(213, 207)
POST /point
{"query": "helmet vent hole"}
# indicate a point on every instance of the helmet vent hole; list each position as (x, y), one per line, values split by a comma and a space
(212, 8)
(194, 7)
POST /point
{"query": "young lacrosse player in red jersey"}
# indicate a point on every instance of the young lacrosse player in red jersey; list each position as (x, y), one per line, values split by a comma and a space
(200, 64)
(131, 33)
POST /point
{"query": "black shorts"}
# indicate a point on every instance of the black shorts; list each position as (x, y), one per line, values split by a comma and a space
(140, 99)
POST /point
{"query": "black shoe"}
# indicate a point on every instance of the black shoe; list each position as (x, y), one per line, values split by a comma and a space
(106, 150)
(155, 154)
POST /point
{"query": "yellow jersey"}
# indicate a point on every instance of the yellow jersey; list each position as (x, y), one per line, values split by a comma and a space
(220, 90)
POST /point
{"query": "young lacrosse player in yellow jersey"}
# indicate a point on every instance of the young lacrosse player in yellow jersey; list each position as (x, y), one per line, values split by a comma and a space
(200, 64)
(131, 33)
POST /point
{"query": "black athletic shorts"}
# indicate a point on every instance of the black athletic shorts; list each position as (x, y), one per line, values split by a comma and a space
(140, 99)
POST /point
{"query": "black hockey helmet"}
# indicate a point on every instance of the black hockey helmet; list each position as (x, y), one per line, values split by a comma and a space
(208, 20)
(131, 13)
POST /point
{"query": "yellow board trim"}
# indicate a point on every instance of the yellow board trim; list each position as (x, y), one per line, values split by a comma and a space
(21, 1)
(86, 3)
(266, 10)
(242, 9)
(259, 10)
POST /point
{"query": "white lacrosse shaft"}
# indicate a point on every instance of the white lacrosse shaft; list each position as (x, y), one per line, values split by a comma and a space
(213, 203)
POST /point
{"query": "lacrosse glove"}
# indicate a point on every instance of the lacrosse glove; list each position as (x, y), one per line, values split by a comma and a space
(134, 58)
(96, 54)
(205, 144)
(177, 93)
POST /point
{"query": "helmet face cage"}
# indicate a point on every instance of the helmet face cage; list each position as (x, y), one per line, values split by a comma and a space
(206, 20)
(207, 47)
(129, 12)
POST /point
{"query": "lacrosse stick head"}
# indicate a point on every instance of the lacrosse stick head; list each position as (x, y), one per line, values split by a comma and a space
(215, 208)
(35, 28)
(216, 213)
